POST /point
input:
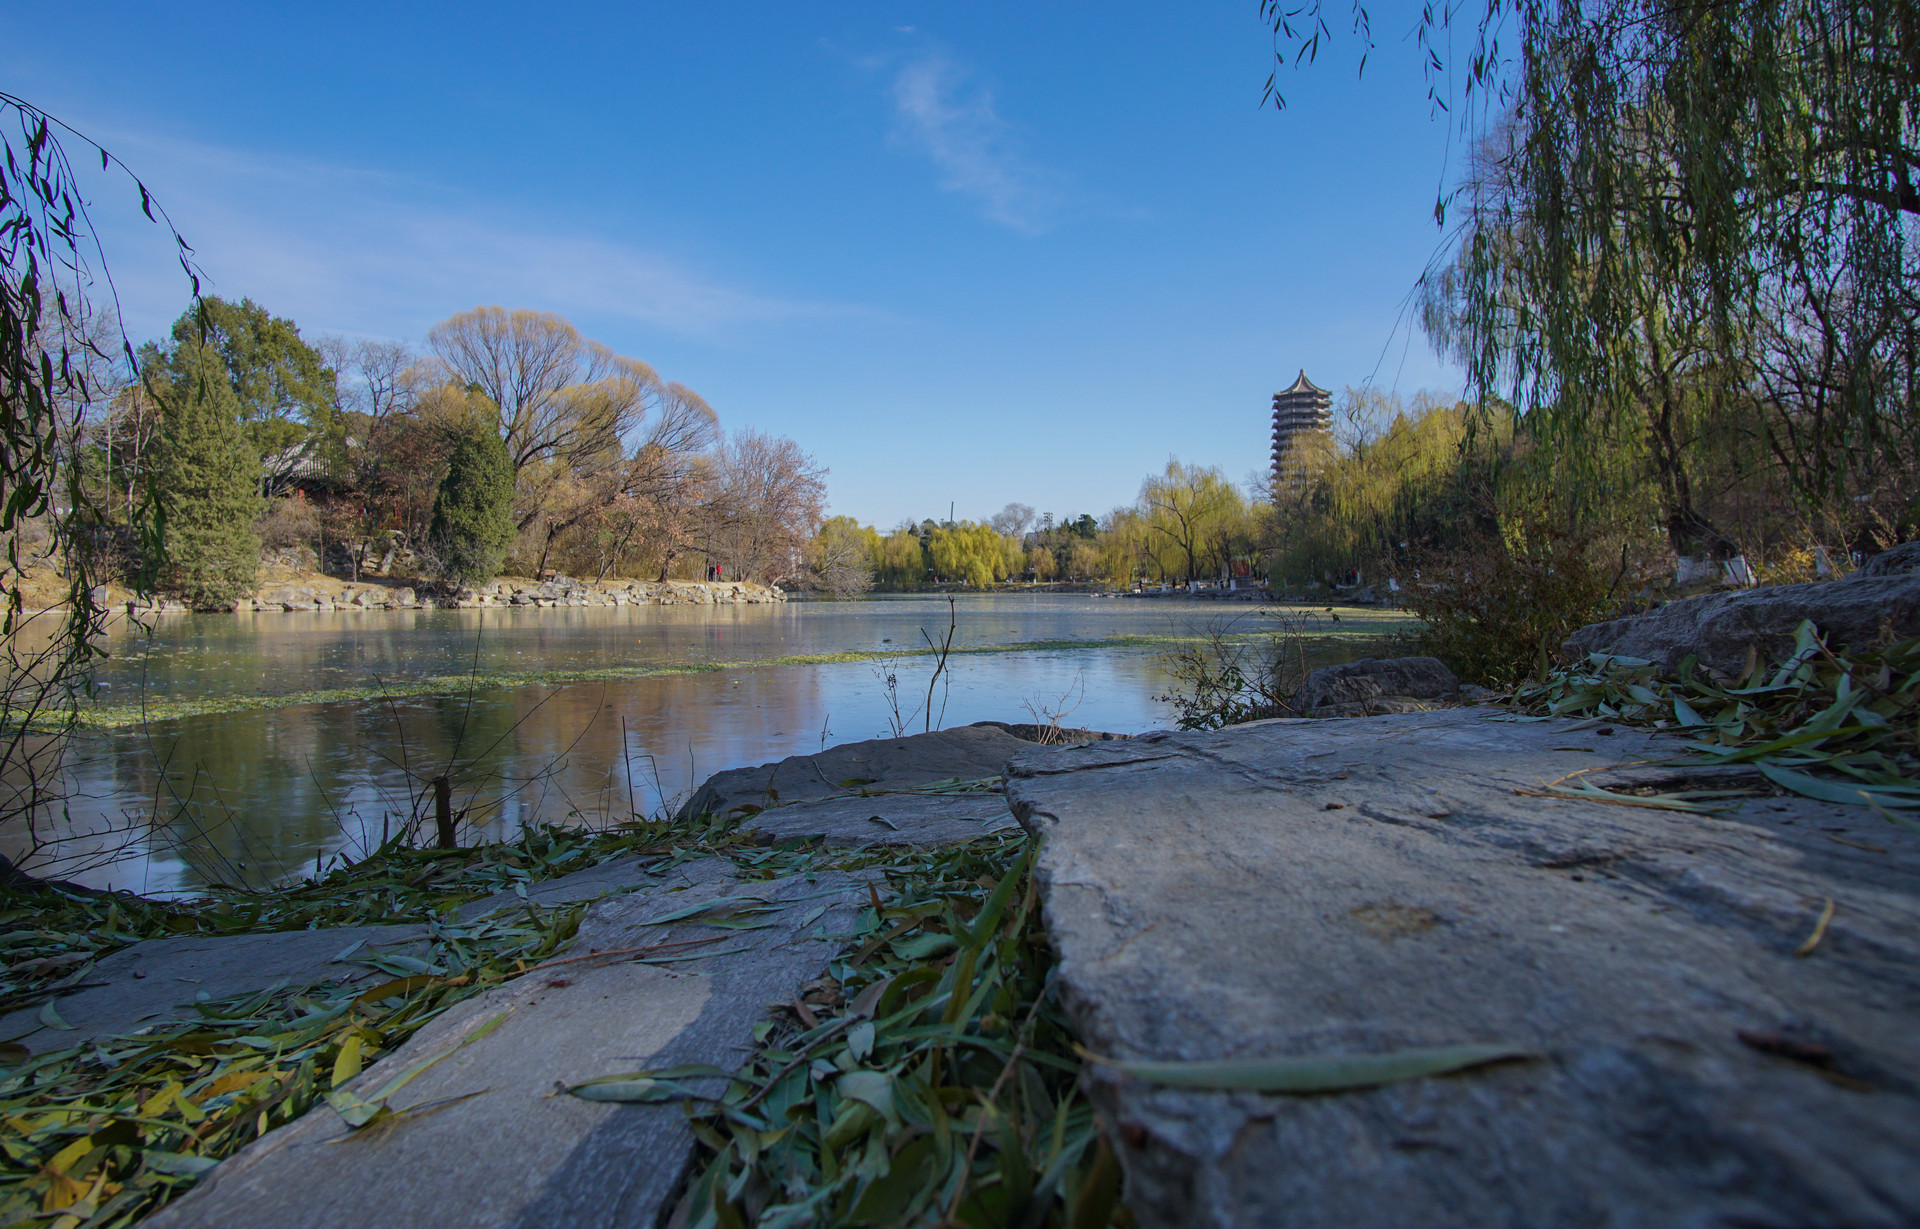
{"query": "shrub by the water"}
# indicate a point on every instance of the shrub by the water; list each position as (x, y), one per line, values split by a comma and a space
(473, 514)
(1496, 610)
(207, 480)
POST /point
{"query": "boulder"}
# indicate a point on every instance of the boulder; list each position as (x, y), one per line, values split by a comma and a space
(1882, 598)
(404, 596)
(1712, 1012)
(289, 597)
(1902, 560)
(1375, 685)
(966, 753)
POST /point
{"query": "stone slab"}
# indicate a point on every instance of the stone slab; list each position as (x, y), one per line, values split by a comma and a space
(157, 981)
(512, 1154)
(888, 819)
(609, 877)
(965, 752)
(1310, 888)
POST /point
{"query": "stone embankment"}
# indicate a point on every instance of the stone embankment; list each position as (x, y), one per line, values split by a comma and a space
(332, 595)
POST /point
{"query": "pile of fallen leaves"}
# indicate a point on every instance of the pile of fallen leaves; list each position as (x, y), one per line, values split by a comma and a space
(1838, 727)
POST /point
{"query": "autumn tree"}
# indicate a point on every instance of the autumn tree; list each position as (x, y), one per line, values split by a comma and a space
(654, 482)
(1191, 516)
(765, 505)
(899, 559)
(973, 553)
(566, 405)
(840, 557)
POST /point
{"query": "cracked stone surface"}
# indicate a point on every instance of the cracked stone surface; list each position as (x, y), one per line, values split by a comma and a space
(964, 752)
(1313, 888)
(511, 1154)
(888, 819)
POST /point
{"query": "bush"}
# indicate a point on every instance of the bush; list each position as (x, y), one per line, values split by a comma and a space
(473, 513)
(1232, 676)
(1497, 610)
(289, 522)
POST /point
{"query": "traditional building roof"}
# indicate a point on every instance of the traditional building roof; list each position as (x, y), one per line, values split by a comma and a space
(1304, 385)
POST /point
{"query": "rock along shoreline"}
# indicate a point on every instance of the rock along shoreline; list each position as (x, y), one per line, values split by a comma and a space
(559, 591)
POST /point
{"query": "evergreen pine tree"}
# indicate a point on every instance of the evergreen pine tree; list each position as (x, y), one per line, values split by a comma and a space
(207, 481)
(473, 513)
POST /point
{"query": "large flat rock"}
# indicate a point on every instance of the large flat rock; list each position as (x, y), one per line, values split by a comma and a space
(512, 1153)
(1296, 888)
(888, 819)
(879, 765)
(159, 981)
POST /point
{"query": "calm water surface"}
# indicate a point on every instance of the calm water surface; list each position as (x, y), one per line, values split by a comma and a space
(250, 796)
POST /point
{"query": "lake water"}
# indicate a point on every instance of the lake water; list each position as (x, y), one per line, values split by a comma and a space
(248, 796)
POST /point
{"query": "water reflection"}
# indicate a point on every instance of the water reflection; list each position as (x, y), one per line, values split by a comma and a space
(193, 656)
(249, 797)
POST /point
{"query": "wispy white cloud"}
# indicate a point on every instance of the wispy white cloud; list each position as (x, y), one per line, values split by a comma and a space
(961, 132)
(351, 250)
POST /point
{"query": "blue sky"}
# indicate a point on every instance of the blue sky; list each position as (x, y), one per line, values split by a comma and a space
(962, 252)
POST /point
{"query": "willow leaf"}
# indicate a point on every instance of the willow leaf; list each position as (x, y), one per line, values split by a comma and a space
(1846, 793)
(628, 1090)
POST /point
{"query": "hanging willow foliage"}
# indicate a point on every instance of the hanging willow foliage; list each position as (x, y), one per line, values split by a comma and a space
(1685, 214)
(51, 268)
(52, 271)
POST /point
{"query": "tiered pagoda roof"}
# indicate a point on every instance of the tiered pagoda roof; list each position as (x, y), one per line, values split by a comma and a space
(1298, 410)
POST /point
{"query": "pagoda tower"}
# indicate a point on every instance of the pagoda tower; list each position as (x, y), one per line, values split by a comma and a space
(1300, 411)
